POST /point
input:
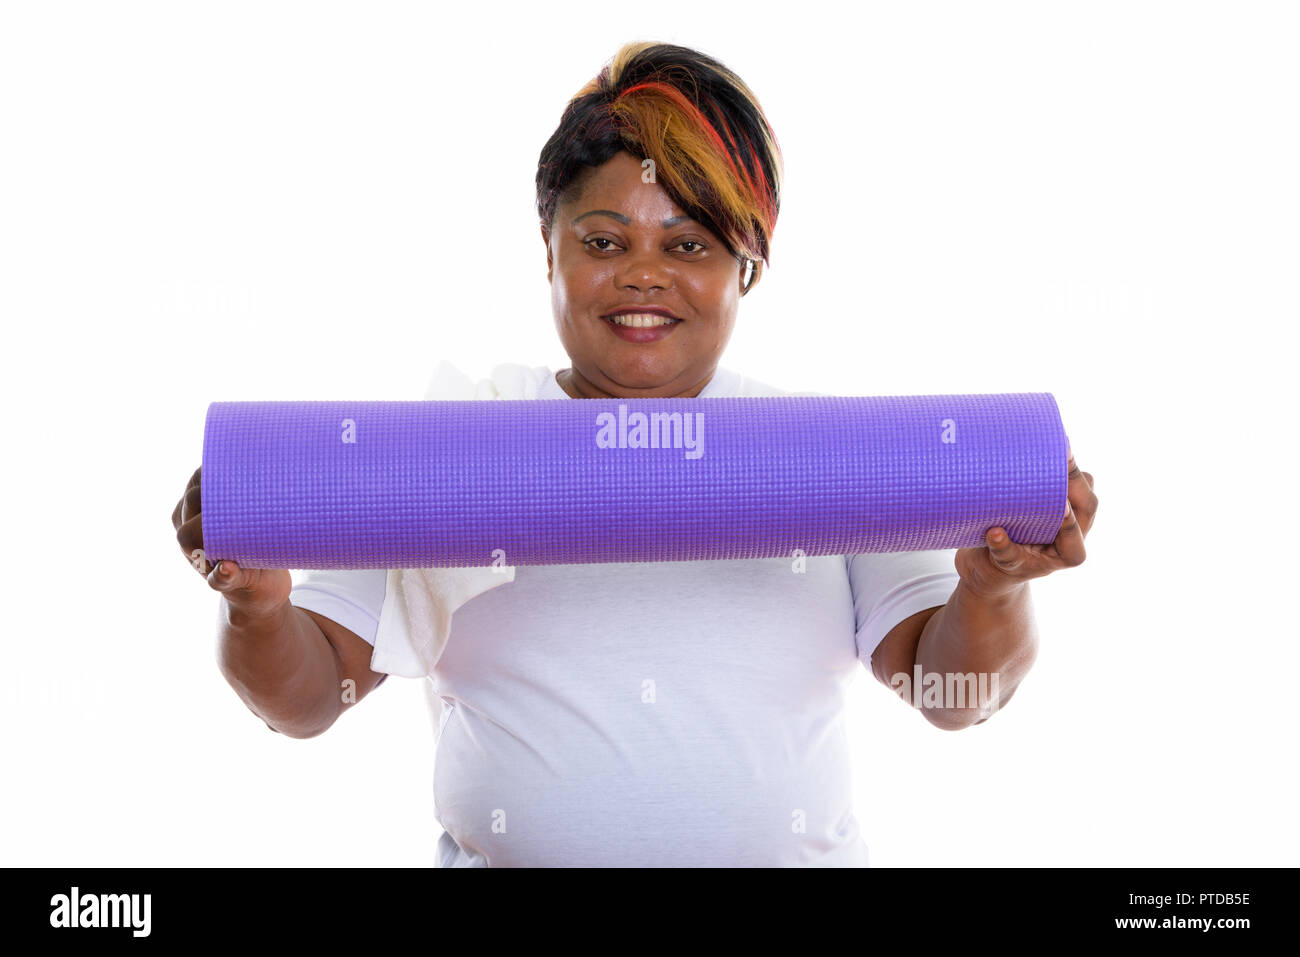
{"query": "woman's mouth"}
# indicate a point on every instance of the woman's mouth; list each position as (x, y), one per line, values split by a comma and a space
(641, 326)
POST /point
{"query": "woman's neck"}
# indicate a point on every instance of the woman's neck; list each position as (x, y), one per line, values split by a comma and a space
(576, 387)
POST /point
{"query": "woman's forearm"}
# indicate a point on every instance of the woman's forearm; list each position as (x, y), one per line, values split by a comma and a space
(282, 666)
(977, 643)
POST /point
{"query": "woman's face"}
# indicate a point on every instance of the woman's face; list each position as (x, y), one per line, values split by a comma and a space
(623, 246)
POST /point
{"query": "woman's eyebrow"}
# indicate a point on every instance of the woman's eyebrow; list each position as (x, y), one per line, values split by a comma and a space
(604, 212)
(666, 224)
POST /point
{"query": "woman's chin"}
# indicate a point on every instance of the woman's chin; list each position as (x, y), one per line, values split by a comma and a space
(634, 382)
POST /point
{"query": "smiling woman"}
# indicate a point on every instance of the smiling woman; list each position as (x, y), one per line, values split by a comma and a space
(658, 194)
(638, 713)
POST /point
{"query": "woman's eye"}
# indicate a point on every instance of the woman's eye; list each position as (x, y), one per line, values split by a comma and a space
(605, 244)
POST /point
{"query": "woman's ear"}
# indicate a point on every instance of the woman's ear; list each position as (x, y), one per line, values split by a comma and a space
(546, 238)
(749, 270)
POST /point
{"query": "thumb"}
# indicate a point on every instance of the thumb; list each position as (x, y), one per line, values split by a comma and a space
(225, 576)
(1006, 554)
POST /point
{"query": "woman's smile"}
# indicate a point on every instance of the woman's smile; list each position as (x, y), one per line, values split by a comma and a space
(641, 326)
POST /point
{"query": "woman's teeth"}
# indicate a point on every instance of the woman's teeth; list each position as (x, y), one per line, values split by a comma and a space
(640, 320)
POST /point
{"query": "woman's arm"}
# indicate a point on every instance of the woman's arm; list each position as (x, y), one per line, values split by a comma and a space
(929, 657)
(961, 661)
(993, 638)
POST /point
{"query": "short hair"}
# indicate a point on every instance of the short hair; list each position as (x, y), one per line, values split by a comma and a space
(714, 152)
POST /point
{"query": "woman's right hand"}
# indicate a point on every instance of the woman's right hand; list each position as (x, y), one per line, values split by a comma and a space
(253, 590)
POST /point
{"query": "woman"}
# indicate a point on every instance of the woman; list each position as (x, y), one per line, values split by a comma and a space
(682, 713)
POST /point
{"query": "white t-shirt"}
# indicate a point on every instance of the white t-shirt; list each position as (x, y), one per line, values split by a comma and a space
(656, 714)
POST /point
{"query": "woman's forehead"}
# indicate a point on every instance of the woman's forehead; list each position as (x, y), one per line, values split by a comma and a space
(619, 187)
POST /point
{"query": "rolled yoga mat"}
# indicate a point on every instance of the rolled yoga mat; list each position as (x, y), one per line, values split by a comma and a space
(575, 481)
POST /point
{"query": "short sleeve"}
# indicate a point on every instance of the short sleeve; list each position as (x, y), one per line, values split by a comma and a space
(354, 599)
(891, 586)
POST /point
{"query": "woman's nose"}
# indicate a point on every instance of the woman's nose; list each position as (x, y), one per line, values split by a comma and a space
(643, 270)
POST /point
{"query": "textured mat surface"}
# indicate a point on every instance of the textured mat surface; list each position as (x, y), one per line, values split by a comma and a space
(574, 481)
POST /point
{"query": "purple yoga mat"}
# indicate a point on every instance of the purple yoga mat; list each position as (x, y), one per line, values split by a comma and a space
(575, 481)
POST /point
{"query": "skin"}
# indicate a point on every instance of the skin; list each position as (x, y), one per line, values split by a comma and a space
(289, 664)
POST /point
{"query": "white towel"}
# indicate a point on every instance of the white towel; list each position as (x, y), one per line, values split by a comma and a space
(419, 602)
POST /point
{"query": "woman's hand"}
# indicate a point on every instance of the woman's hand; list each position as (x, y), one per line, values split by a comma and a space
(1003, 566)
(256, 591)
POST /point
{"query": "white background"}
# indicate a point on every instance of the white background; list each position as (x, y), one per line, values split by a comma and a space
(319, 201)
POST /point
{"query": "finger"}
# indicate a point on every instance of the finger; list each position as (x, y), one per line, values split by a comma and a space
(191, 504)
(1068, 543)
(1081, 498)
(1083, 505)
(1006, 554)
(178, 516)
(225, 576)
(190, 537)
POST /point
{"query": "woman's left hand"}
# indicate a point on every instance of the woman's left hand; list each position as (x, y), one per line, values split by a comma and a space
(1003, 565)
